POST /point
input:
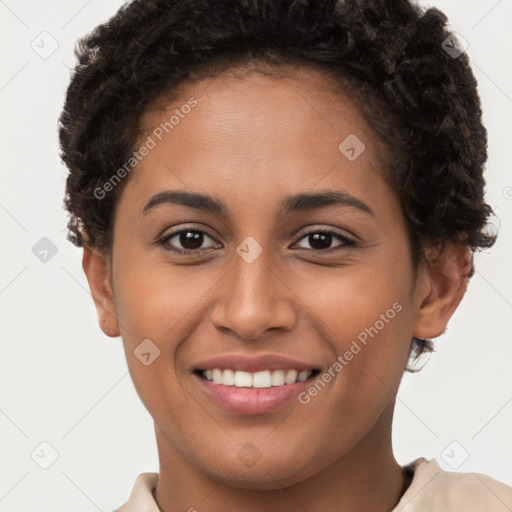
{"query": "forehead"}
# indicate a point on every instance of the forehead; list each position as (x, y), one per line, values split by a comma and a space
(288, 96)
(253, 135)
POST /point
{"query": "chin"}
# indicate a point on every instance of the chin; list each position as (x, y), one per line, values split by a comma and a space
(273, 473)
(263, 479)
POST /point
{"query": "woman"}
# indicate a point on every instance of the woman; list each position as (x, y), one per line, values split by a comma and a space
(278, 204)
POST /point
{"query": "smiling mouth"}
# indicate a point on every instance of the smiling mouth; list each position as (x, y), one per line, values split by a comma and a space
(256, 380)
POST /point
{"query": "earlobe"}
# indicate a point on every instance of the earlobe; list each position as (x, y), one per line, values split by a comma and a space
(442, 289)
(95, 266)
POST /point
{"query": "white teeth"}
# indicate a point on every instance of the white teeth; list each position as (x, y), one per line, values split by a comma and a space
(228, 378)
(302, 376)
(263, 379)
(217, 376)
(291, 377)
(243, 379)
(278, 378)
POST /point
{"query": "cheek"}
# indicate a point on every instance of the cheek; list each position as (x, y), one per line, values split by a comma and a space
(363, 301)
(365, 315)
(162, 304)
(155, 299)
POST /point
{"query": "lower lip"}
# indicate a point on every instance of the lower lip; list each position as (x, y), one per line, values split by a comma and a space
(253, 400)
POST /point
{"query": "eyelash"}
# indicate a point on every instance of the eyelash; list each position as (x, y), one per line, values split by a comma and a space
(348, 243)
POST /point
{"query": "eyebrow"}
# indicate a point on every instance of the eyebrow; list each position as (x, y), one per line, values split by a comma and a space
(297, 203)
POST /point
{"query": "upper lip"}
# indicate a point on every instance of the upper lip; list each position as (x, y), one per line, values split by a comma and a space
(254, 364)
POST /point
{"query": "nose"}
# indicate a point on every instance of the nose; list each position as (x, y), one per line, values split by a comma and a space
(252, 299)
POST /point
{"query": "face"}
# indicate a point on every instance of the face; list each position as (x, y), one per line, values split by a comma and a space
(298, 258)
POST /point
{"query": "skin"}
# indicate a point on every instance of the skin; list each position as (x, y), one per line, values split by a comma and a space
(251, 141)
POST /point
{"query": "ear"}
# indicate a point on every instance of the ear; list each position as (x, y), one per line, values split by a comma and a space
(441, 288)
(96, 268)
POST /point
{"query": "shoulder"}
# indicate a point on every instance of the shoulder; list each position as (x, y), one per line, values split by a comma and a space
(432, 488)
(141, 498)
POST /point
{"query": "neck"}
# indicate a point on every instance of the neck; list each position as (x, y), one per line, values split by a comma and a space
(367, 478)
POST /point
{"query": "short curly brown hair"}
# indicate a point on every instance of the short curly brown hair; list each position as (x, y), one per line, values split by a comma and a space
(391, 57)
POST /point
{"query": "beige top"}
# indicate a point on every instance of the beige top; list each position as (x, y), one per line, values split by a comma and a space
(431, 489)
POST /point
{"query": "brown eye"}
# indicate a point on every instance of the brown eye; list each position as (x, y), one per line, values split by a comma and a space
(188, 240)
(321, 240)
